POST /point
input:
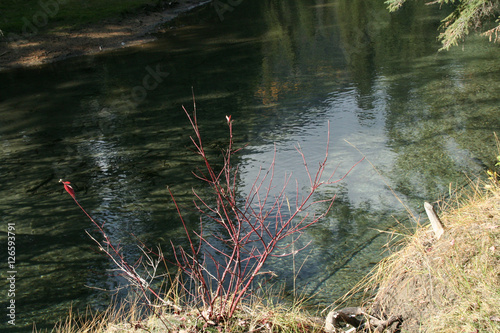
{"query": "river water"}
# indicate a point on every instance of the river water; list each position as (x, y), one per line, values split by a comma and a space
(113, 125)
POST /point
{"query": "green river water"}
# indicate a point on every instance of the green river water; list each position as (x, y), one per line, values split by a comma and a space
(282, 70)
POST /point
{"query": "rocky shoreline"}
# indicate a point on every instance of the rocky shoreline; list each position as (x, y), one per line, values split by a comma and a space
(32, 47)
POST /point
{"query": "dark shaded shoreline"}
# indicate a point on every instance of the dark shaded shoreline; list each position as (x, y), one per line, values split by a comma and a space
(18, 51)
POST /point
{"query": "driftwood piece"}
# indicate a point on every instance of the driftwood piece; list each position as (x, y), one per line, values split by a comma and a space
(436, 223)
(334, 319)
(351, 316)
(381, 325)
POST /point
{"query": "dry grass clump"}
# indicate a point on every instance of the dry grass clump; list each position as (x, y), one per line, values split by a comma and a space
(260, 314)
(113, 319)
(451, 284)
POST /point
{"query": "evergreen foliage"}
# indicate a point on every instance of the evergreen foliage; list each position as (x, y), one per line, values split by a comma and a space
(467, 15)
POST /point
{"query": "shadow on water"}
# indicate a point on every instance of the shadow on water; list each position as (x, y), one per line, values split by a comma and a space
(113, 125)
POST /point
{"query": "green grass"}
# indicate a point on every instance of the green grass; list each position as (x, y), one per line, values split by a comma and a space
(63, 13)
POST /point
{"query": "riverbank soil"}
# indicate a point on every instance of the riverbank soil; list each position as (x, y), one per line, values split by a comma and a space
(451, 284)
(31, 46)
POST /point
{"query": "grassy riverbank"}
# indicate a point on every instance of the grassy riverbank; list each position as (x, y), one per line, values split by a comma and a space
(451, 284)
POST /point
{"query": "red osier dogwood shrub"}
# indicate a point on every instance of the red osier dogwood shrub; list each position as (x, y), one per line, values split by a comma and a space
(224, 265)
(253, 229)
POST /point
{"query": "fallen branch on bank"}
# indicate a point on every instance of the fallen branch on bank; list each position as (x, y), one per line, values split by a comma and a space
(437, 225)
(355, 319)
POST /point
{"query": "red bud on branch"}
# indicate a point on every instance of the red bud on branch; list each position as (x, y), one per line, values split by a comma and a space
(68, 188)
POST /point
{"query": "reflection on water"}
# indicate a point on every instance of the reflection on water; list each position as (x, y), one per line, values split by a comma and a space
(283, 70)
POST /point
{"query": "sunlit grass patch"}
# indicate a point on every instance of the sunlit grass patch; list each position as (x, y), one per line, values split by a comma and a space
(451, 284)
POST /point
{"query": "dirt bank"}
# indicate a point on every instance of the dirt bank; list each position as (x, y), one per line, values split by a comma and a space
(133, 29)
